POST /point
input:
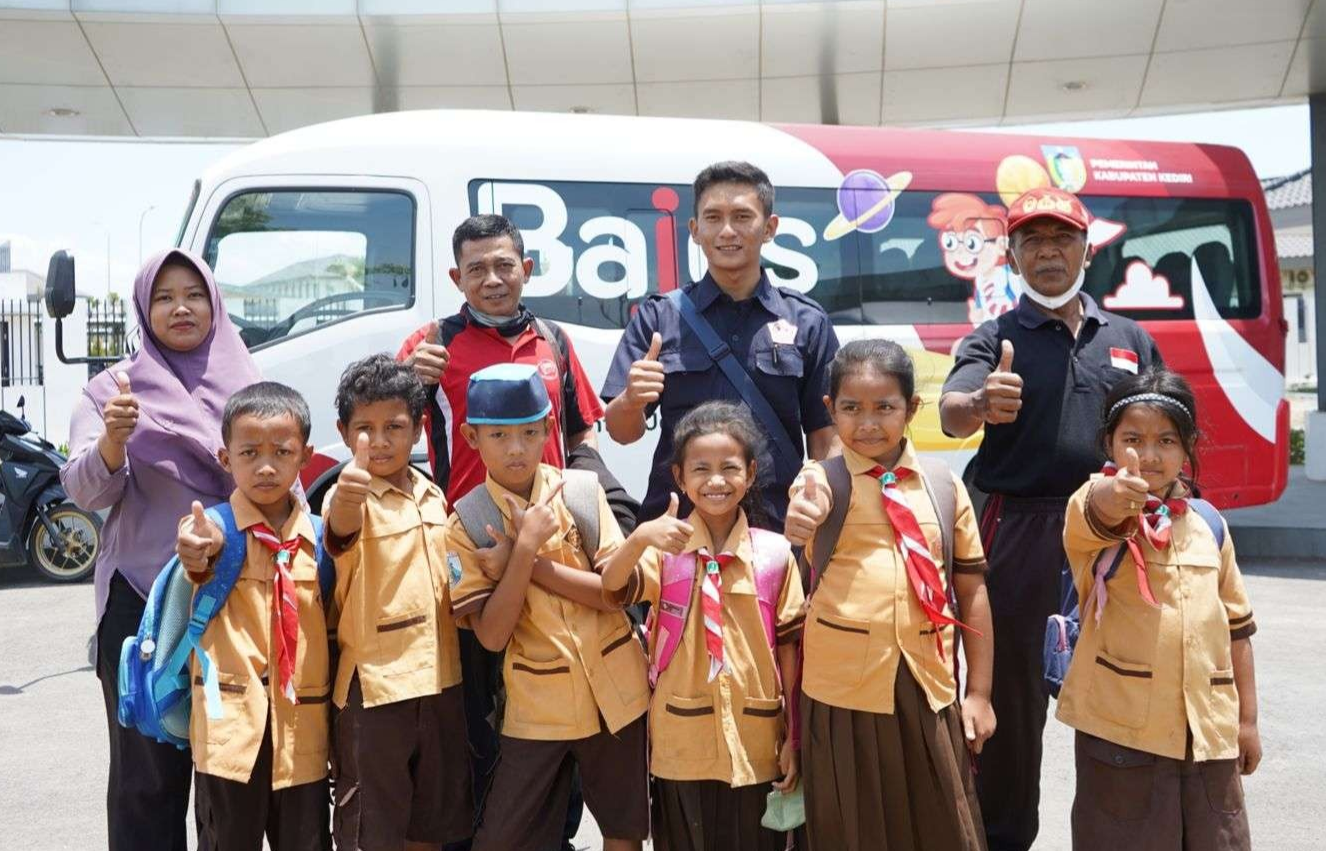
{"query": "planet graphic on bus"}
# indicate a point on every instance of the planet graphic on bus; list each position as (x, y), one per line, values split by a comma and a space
(865, 202)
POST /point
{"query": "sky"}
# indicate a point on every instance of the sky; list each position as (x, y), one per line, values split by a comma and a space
(92, 196)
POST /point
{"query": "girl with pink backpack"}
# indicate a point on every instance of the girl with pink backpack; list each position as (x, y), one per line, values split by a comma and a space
(726, 612)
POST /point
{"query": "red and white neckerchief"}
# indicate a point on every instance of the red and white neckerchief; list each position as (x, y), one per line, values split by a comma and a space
(285, 606)
(922, 572)
(1154, 523)
(711, 606)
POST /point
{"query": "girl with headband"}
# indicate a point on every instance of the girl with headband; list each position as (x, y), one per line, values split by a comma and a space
(1161, 689)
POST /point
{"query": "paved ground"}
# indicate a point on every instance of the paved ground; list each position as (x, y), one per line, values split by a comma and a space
(53, 744)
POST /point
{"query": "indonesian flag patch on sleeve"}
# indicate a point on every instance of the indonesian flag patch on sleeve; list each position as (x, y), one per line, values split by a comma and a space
(1125, 359)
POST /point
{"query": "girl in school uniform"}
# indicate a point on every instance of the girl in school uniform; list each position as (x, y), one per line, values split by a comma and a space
(727, 610)
(884, 743)
(1161, 688)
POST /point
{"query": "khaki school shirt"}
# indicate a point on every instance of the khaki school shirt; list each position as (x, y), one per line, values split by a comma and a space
(396, 626)
(1146, 676)
(239, 642)
(728, 729)
(863, 620)
(567, 665)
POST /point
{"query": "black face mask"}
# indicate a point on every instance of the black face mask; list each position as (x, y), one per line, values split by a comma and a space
(507, 326)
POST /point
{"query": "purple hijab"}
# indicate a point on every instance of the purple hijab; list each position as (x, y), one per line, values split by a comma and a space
(181, 395)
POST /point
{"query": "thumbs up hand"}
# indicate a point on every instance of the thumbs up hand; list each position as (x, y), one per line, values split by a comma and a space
(1001, 397)
(667, 532)
(120, 413)
(1126, 492)
(429, 358)
(644, 383)
(346, 515)
(199, 540)
(807, 510)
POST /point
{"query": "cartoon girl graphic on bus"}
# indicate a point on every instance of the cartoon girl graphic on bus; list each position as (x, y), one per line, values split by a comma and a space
(973, 238)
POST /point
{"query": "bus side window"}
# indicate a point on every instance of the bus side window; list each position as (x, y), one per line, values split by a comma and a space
(290, 261)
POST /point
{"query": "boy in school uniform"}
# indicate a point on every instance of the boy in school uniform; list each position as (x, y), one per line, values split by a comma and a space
(262, 766)
(575, 675)
(402, 762)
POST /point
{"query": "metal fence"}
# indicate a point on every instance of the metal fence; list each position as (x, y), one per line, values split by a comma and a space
(20, 342)
(106, 335)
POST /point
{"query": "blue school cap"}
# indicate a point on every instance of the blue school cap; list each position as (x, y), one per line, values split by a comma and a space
(506, 394)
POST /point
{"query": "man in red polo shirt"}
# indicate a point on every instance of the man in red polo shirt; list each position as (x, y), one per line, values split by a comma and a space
(493, 327)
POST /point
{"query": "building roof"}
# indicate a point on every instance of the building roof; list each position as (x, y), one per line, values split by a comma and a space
(1290, 190)
(253, 68)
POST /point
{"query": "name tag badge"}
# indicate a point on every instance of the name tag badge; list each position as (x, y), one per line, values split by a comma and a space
(783, 332)
(453, 568)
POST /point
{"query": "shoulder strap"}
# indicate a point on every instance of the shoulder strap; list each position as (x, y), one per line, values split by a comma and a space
(676, 579)
(826, 537)
(770, 568)
(1211, 515)
(581, 495)
(944, 499)
(477, 511)
(326, 567)
(211, 596)
(785, 454)
(550, 332)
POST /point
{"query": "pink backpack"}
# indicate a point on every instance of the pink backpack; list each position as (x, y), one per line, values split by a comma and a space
(669, 618)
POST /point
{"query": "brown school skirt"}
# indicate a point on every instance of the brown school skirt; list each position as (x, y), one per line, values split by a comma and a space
(878, 782)
(710, 815)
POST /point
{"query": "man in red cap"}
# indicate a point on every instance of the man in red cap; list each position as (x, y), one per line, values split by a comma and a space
(1035, 379)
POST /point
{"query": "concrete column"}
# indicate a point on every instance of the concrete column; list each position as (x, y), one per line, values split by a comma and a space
(1315, 436)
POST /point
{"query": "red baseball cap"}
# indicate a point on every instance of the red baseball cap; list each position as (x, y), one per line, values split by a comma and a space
(1047, 202)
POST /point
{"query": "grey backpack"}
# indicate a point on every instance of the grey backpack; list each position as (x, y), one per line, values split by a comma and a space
(477, 510)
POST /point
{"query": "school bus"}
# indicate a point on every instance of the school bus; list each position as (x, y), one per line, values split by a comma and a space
(333, 241)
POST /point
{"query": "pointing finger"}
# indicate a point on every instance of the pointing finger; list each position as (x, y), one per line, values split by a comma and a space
(516, 510)
(655, 345)
(552, 494)
(498, 537)
(1006, 357)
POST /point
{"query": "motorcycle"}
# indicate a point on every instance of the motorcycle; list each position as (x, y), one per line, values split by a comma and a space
(38, 523)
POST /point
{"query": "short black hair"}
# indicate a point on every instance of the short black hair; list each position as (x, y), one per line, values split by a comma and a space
(883, 356)
(733, 420)
(265, 400)
(378, 378)
(1167, 392)
(486, 227)
(734, 171)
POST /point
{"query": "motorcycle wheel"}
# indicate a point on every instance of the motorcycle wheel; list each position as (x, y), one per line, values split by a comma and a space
(72, 555)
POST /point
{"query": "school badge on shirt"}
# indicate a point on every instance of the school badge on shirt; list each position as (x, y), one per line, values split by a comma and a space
(453, 568)
(1125, 359)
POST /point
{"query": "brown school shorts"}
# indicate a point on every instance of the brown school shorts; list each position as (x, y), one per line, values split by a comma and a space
(402, 772)
(526, 807)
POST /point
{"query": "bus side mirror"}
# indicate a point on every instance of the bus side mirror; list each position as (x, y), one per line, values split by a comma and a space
(60, 296)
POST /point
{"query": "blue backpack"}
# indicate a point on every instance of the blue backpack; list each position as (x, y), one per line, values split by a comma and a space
(155, 695)
(1061, 630)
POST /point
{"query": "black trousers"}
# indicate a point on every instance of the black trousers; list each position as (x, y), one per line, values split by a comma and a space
(147, 794)
(481, 677)
(1023, 541)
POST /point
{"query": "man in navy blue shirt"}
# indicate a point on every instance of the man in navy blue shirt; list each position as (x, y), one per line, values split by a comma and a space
(782, 339)
(1035, 379)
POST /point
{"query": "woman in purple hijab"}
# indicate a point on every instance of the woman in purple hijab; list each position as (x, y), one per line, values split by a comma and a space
(143, 443)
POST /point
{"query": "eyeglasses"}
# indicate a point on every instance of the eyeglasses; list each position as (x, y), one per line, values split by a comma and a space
(972, 241)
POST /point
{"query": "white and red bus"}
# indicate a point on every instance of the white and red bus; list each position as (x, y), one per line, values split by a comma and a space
(333, 241)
